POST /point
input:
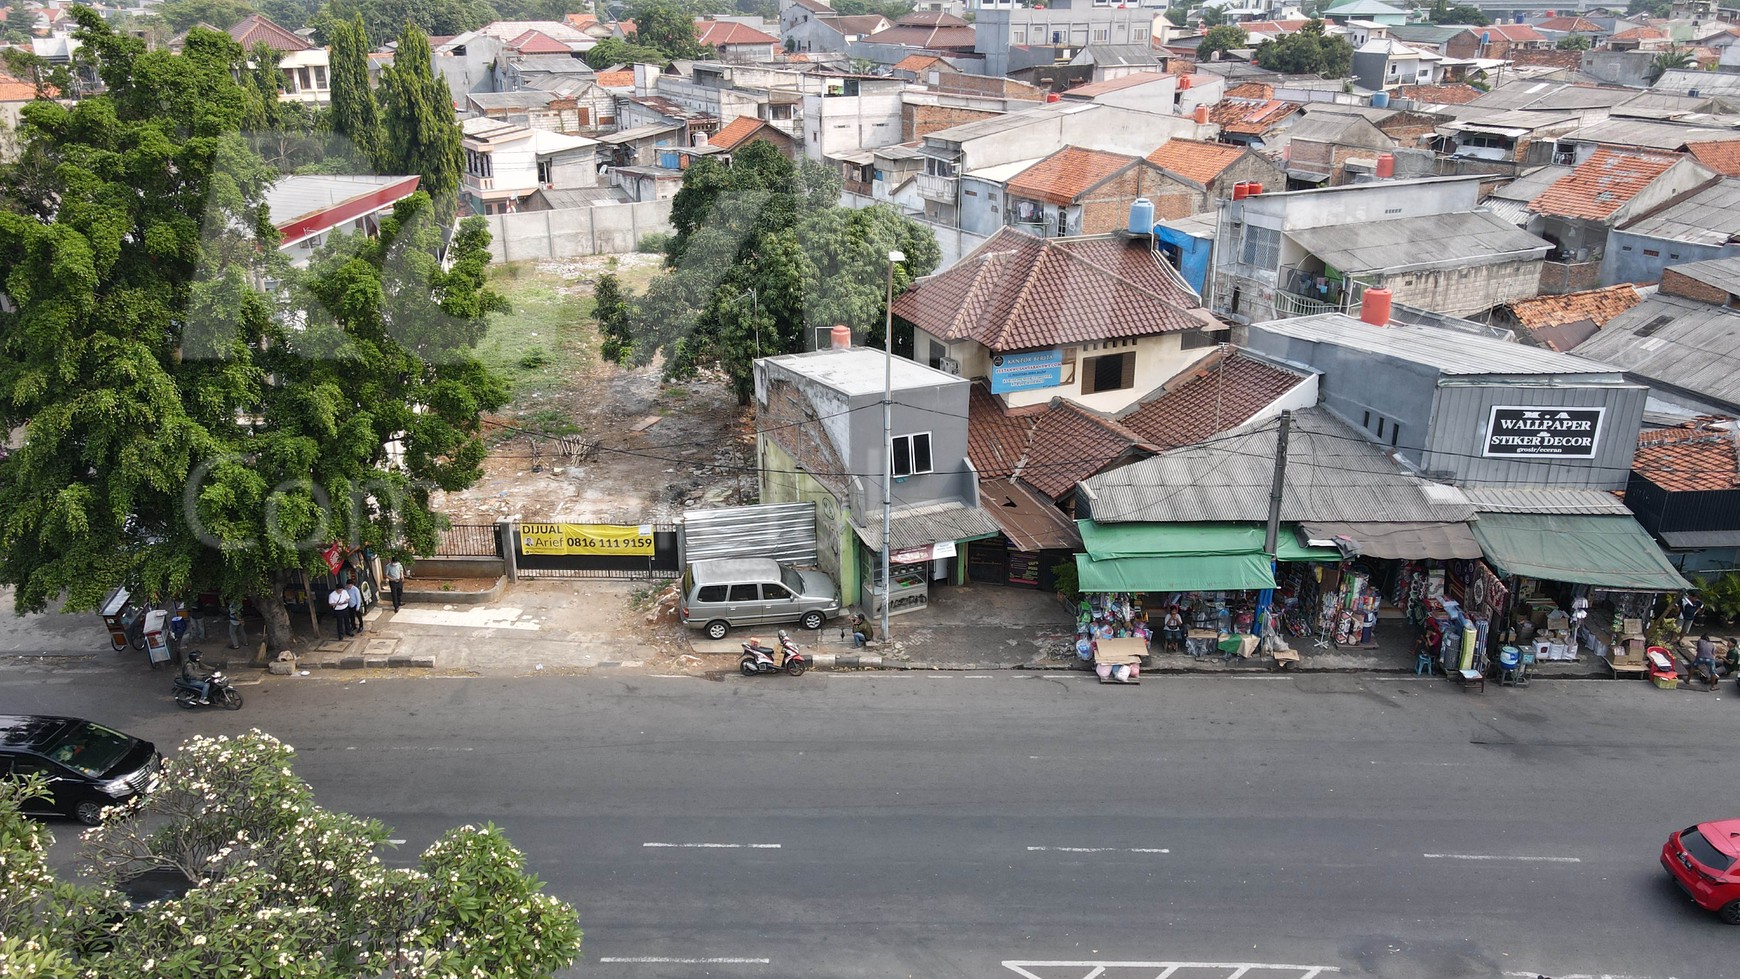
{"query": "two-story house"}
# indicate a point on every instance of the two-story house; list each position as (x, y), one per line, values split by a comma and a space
(1387, 63)
(821, 440)
(1426, 240)
(505, 164)
(1099, 320)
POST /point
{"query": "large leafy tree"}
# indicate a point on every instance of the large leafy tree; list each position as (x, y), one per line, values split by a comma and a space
(422, 134)
(1308, 51)
(667, 26)
(763, 254)
(616, 51)
(354, 114)
(1220, 40)
(185, 431)
(180, 15)
(281, 887)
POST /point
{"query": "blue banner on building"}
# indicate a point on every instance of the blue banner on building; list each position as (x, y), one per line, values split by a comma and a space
(1022, 371)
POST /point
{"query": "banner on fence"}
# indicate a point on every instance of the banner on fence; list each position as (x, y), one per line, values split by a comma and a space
(586, 538)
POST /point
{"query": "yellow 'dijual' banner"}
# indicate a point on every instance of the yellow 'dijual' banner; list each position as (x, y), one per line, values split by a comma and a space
(586, 538)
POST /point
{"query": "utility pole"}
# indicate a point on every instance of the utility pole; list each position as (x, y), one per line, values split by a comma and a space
(1272, 537)
(894, 258)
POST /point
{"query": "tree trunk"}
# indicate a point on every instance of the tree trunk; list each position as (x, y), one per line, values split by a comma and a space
(276, 617)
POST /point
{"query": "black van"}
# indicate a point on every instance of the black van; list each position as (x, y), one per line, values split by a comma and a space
(88, 766)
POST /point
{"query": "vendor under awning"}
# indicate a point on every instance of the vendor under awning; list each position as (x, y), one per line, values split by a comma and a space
(1172, 557)
(1403, 540)
(1607, 551)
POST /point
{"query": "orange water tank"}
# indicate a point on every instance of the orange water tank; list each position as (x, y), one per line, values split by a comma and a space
(841, 335)
(1183, 82)
(1202, 115)
(1386, 166)
(1239, 191)
(1253, 188)
(1376, 308)
(1053, 97)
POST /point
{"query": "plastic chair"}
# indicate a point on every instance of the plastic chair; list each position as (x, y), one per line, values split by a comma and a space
(1424, 665)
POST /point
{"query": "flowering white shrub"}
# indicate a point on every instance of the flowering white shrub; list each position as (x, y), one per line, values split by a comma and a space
(283, 889)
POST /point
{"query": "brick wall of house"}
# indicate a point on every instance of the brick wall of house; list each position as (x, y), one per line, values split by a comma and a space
(919, 121)
(982, 85)
(1406, 128)
(789, 420)
(1107, 207)
(1558, 278)
(1308, 154)
(1466, 290)
(1675, 284)
(1252, 168)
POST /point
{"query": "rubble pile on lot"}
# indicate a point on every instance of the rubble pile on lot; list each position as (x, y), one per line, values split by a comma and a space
(664, 606)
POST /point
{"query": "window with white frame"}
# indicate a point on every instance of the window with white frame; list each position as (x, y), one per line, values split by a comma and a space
(911, 454)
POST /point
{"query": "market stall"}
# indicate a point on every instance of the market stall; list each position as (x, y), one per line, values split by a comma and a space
(1582, 583)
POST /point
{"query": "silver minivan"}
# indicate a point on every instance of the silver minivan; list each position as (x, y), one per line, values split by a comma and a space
(728, 592)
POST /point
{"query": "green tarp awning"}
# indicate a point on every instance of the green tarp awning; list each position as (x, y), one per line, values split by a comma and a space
(1608, 551)
(1210, 572)
(1126, 540)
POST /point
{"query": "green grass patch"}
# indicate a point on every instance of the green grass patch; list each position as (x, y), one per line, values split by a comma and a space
(547, 337)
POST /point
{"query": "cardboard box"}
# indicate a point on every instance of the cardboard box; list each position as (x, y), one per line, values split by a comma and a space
(1539, 618)
(1631, 627)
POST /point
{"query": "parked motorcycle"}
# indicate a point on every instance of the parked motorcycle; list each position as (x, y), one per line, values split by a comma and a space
(213, 691)
(761, 659)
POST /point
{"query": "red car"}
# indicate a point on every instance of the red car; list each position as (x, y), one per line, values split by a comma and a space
(1705, 861)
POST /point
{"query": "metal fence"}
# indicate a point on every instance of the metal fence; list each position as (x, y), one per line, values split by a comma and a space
(469, 540)
(662, 563)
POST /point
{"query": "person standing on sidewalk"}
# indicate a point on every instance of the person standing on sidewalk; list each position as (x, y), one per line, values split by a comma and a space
(238, 634)
(356, 606)
(395, 572)
(339, 601)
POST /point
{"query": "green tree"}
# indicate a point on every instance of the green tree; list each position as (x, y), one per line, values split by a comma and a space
(354, 114)
(422, 135)
(385, 19)
(762, 255)
(1651, 8)
(1308, 51)
(1220, 40)
(668, 26)
(1444, 12)
(184, 431)
(1573, 42)
(1213, 16)
(1673, 59)
(280, 887)
(611, 310)
(616, 51)
(180, 15)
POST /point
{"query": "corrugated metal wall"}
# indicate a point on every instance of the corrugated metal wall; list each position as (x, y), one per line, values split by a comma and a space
(1459, 428)
(785, 532)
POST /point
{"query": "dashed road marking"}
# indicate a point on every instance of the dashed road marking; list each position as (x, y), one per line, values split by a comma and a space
(715, 846)
(1097, 849)
(1575, 975)
(1499, 856)
(662, 960)
(1163, 970)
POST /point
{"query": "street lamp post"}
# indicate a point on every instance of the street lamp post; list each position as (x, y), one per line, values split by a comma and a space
(894, 257)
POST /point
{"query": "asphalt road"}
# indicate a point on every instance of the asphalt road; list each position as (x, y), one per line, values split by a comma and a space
(959, 825)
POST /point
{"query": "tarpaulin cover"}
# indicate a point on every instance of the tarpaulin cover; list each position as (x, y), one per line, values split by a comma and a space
(1605, 551)
(1400, 540)
(1126, 540)
(1195, 572)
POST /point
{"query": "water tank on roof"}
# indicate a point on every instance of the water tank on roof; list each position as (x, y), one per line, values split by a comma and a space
(1142, 216)
(1375, 307)
(1380, 100)
(1053, 97)
(1201, 115)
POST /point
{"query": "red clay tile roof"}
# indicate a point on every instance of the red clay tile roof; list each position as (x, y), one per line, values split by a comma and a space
(1688, 458)
(1640, 34)
(537, 42)
(1214, 395)
(1195, 160)
(1441, 94)
(1051, 448)
(1095, 89)
(1602, 184)
(1066, 174)
(259, 29)
(581, 21)
(1250, 117)
(715, 32)
(1551, 58)
(919, 36)
(917, 62)
(1722, 156)
(1595, 305)
(736, 131)
(857, 23)
(1261, 91)
(1274, 26)
(1020, 292)
(1568, 25)
(614, 79)
(1512, 32)
(15, 90)
(929, 18)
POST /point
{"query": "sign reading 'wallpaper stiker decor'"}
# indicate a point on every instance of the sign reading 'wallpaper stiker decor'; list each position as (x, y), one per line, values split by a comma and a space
(1029, 369)
(1543, 433)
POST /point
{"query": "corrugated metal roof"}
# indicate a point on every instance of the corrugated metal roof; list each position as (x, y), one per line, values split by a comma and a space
(1709, 217)
(1515, 212)
(1458, 239)
(924, 525)
(1333, 474)
(1029, 520)
(1455, 354)
(1680, 342)
(1642, 133)
(1542, 499)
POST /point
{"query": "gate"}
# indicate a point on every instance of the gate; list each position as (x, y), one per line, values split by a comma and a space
(567, 550)
(785, 532)
(469, 540)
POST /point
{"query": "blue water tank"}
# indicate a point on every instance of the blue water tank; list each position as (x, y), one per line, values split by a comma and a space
(1380, 100)
(1142, 216)
(1519, 17)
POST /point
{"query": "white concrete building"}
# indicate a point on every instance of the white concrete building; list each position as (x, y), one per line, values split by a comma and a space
(505, 164)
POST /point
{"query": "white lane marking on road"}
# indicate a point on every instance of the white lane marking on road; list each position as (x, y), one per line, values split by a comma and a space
(1233, 969)
(397, 842)
(661, 960)
(476, 618)
(1577, 975)
(1096, 849)
(1499, 856)
(717, 846)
